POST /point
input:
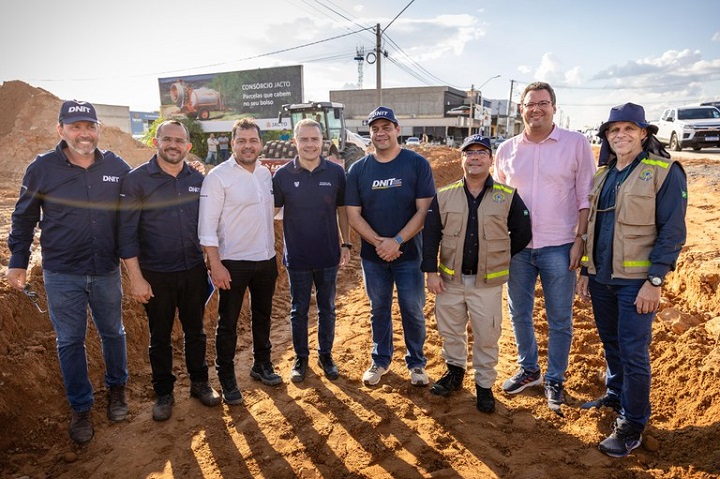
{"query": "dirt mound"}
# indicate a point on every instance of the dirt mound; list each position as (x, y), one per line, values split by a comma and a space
(28, 127)
(342, 429)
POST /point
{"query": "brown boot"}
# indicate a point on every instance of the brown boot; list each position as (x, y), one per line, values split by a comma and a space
(117, 409)
(81, 427)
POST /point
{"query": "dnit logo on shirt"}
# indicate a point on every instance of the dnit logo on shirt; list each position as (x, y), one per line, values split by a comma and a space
(111, 179)
(385, 184)
(194, 189)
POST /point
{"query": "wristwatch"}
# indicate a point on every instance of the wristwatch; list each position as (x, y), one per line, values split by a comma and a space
(399, 239)
(583, 237)
(655, 280)
(346, 245)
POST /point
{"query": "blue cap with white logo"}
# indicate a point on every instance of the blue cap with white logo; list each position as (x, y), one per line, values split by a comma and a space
(382, 113)
(476, 140)
(73, 110)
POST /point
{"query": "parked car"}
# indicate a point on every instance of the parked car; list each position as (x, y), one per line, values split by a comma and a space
(412, 140)
(495, 141)
(693, 127)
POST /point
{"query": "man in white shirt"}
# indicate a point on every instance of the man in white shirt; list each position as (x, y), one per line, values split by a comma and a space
(212, 144)
(237, 235)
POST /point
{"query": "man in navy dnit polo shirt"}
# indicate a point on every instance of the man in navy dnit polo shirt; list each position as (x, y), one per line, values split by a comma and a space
(312, 190)
(72, 193)
(160, 248)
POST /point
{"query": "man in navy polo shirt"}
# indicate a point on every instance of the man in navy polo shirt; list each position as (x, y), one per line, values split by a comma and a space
(73, 193)
(312, 190)
(387, 198)
(161, 251)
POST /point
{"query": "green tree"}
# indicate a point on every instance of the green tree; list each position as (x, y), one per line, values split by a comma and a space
(197, 135)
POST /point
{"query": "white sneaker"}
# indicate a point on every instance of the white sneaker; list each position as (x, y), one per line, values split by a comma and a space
(418, 377)
(372, 376)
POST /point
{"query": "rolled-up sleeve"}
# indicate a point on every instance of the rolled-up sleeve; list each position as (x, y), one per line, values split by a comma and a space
(584, 174)
(212, 198)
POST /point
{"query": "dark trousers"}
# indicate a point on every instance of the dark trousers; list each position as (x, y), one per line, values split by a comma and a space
(184, 291)
(259, 277)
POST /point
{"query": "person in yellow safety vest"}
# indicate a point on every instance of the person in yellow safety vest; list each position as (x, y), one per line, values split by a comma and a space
(636, 230)
(476, 225)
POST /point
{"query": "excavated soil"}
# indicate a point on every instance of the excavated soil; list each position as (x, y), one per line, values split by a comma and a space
(343, 429)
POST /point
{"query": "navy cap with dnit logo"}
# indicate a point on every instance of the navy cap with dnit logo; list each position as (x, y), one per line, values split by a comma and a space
(73, 110)
(476, 140)
(382, 113)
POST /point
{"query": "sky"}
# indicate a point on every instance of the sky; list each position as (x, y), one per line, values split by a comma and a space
(595, 54)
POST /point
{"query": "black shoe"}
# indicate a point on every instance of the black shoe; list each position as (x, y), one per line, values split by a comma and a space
(117, 408)
(230, 392)
(450, 381)
(81, 427)
(608, 400)
(162, 410)
(328, 366)
(297, 374)
(485, 399)
(555, 395)
(207, 395)
(265, 372)
(622, 441)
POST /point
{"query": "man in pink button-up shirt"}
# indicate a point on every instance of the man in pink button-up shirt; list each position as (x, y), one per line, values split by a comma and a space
(552, 169)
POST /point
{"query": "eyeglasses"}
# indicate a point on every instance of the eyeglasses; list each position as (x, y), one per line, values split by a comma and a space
(476, 153)
(538, 104)
(33, 296)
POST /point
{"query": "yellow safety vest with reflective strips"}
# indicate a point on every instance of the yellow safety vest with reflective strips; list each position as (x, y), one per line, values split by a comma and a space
(493, 237)
(635, 231)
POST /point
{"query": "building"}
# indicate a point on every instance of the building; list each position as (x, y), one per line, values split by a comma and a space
(140, 122)
(114, 115)
(438, 113)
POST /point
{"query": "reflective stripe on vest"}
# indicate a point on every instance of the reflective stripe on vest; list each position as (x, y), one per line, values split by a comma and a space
(447, 270)
(636, 264)
(498, 274)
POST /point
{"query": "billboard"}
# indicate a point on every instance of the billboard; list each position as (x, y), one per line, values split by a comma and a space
(225, 97)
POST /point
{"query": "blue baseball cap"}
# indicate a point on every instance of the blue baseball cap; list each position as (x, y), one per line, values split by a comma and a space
(382, 113)
(74, 110)
(476, 140)
(627, 112)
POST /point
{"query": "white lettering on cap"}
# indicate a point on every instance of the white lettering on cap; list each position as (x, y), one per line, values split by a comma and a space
(80, 109)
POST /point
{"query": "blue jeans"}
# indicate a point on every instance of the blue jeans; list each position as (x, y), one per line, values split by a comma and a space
(69, 296)
(558, 284)
(301, 283)
(626, 336)
(408, 279)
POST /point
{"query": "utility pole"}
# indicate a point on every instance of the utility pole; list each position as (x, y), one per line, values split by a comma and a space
(482, 105)
(508, 133)
(378, 68)
(472, 113)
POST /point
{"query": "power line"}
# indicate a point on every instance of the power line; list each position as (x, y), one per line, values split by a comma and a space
(396, 16)
(423, 69)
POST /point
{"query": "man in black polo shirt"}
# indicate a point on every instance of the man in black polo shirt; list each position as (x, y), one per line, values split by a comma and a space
(161, 251)
(312, 190)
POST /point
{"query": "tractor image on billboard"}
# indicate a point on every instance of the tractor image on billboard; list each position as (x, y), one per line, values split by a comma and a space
(338, 146)
(195, 102)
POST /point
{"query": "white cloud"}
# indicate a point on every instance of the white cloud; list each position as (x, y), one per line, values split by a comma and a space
(716, 37)
(435, 38)
(549, 69)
